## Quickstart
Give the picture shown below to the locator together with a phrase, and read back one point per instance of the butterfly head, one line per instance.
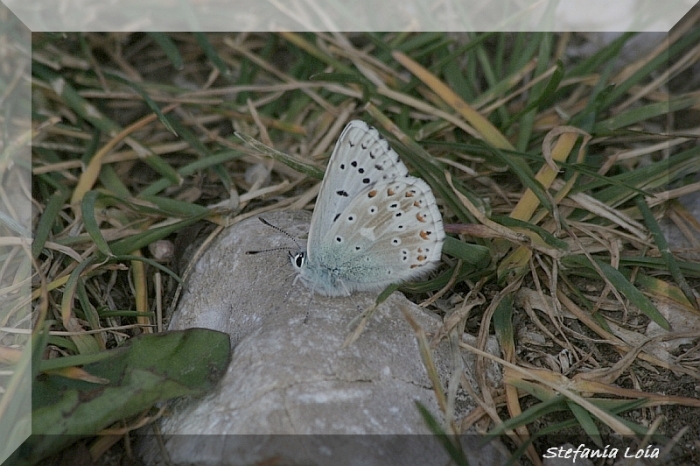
(317, 277)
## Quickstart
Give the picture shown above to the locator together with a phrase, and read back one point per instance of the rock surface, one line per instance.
(292, 391)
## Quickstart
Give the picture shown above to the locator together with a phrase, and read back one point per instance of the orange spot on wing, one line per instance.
(421, 258)
(390, 192)
(409, 193)
(420, 218)
(372, 193)
(425, 234)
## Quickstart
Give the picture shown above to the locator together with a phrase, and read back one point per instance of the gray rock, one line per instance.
(293, 391)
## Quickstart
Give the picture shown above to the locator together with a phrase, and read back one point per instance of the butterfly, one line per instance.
(373, 224)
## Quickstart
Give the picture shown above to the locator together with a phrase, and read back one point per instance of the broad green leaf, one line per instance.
(146, 370)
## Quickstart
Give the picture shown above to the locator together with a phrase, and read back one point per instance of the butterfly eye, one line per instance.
(299, 259)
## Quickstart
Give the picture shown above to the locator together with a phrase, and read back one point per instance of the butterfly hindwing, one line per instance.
(391, 232)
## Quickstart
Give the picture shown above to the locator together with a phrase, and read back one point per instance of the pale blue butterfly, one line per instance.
(373, 224)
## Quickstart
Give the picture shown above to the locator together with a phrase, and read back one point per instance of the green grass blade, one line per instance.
(87, 207)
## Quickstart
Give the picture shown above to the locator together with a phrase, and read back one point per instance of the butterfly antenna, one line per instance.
(281, 231)
(250, 253)
(276, 249)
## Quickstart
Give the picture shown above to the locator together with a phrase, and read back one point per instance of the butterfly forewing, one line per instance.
(361, 158)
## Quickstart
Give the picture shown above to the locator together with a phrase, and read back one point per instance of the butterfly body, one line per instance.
(373, 224)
